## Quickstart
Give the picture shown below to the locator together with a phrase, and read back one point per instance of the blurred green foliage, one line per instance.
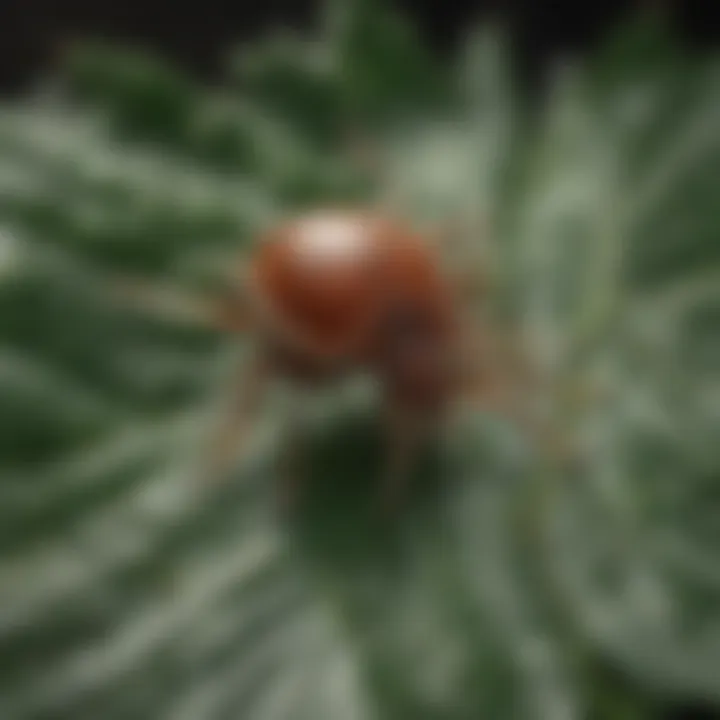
(513, 587)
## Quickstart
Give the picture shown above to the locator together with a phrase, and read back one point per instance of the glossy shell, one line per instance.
(326, 283)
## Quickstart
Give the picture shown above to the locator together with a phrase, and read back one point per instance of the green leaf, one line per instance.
(144, 94)
(295, 80)
(514, 585)
(146, 100)
(386, 71)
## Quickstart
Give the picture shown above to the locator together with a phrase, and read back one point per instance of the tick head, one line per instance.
(415, 356)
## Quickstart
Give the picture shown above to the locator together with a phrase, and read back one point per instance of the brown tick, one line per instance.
(337, 292)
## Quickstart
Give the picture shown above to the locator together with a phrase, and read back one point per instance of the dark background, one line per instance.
(197, 34)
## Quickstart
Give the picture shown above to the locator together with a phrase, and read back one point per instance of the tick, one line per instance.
(333, 293)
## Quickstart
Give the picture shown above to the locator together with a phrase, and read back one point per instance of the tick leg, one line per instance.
(246, 398)
(489, 375)
(500, 378)
(292, 465)
(226, 312)
(404, 435)
(463, 244)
